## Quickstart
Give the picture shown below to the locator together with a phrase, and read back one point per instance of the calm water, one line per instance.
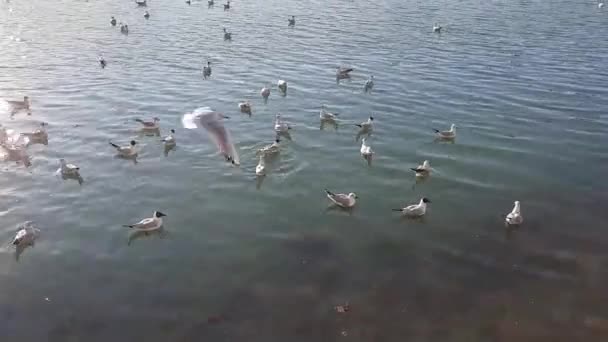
(524, 80)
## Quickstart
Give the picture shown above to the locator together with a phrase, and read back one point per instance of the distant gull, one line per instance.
(342, 200)
(149, 224)
(260, 169)
(151, 125)
(126, 151)
(113, 21)
(210, 3)
(423, 169)
(366, 151)
(169, 140)
(327, 117)
(415, 210)
(447, 135)
(600, 5)
(365, 128)
(265, 92)
(17, 106)
(207, 70)
(38, 136)
(282, 86)
(292, 21)
(514, 218)
(26, 237)
(188, 2)
(147, 15)
(342, 73)
(211, 121)
(369, 85)
(141, 3)
(102, 62)
(281, 127)
(227, 35)
(124, 28)
(227, 6)
(436, 28)
(271, 149)
(69, 171)
(245, 107)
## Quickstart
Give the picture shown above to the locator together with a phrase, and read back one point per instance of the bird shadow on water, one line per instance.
(77, 178)
(138, 234)
(168, 149)
(336, 208)
(132, 158)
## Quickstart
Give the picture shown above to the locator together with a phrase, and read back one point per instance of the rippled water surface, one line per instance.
(525, 81)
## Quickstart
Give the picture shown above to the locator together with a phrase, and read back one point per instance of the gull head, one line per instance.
(425, 200)
(426, 164)
(371, 118)
(353, 195)
(172, 131)
(158, 214)
(133, 142)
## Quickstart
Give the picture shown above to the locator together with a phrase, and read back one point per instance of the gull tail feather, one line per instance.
(114, 145)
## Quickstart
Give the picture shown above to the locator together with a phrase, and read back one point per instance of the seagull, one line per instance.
(169, 140)
(207, 70)
(327, 117)
(282, 86)
(436, 28)
(17, 153)
(292, 21)
(227, 6)
(423, 169)
(68, 169)
(150, 125)
(188, 2)
(600, 5)
(147, 15)
(113, 21)
(514, 218)
(149, 224)
(38, 136)
(126, 151)
(366, 128)
(447, 135)
(211, 120)
(102, 62)
(141, 3)
(369, 84)
(17, 106)
(265, 92)
(25, 237)
(271, 149)
(227, 35)
(415, 210)
(281, 127)
(342, 200)
(124, 28)
(260, 169)
(210, 3)
(342, 73)
(245, 107)
(366, 151)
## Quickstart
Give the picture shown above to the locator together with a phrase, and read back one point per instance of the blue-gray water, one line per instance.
(524, 80)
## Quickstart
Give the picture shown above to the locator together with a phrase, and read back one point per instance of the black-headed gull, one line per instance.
(291, 21)
(265, 92)
(113, 21)
(423, 169)
(342, 200)
(271, 149)
(149, 224)
(447, 135)
(514, 218)
(17, 106)
(26, 237)
(102, 62)
(227, 6)
(281, 127)
(227, 35)
(436, 28)
(38, 136)
(415, 210)
(245, 107)
(211, 121)
(342, 73)
(126, 151)
(147, 15)
(207, 70)
(328, 118)
(366, 151)
(365, 128)
(369, 85)
(282, 85)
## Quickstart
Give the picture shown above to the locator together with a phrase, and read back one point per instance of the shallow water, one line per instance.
(524, 81)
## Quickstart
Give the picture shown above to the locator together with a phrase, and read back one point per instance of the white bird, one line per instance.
(169, 140)
(436, 28)
(126, 151)
(17, 106)
(245, 107)
(227, 35)
(281, 127)
(207, 70)
(147, 15)
(227, 6)
(16, 153)
(447, 135)
(282, 86)
(149, 224)
(342, 73)
(38, 136)
(415, 210)
(102, 62)
(600, 5)
(271, 149)
(265, 92)
(211, 121)
(342, 200)
(369, 85)
(423, 169)
(327, 117)
(150, 125)
(26, 236)
(365, 128)
(514, 218)
(366, 151)
(260, 169)
(68, 169)
(292, 21)
(124, 28)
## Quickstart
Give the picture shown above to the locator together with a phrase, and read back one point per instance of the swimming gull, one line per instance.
(415, 210)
